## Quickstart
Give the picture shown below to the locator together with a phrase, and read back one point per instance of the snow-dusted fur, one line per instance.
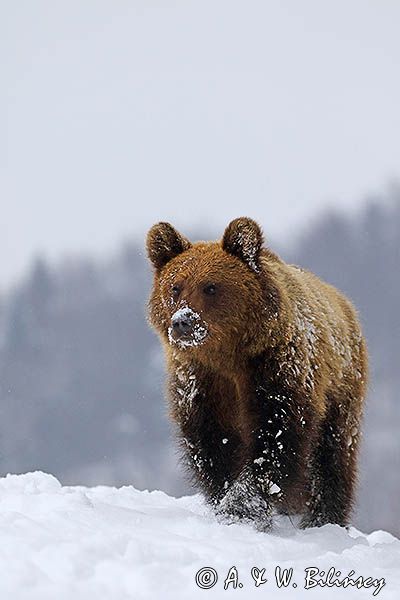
(267, 387)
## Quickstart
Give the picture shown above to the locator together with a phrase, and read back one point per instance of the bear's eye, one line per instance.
(210, 289)
(176, 290)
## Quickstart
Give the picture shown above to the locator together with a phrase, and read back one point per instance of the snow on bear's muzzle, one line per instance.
(187, 328)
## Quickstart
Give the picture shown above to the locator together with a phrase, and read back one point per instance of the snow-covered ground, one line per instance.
(105, 543)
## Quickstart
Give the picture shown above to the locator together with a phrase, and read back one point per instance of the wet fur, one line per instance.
(281, 376)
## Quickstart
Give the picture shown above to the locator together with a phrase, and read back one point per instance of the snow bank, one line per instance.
(106, 543)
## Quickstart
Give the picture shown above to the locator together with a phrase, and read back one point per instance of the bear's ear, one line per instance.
(164, 243)
(243, 238)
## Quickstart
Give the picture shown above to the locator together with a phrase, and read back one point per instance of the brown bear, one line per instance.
(267, 375)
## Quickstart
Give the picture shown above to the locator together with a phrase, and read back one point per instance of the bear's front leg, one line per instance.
(244, 501)
(278, 444)
(282, 437)
(213, 449)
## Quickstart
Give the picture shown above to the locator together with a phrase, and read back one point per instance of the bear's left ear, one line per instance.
(243, 238)
(164, 242)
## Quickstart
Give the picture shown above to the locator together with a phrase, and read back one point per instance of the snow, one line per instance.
(249, 249)
(199, 328)
(187, 391)
(274, 488)
(106, 543)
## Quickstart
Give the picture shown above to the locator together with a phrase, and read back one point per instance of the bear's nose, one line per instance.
(182, 324)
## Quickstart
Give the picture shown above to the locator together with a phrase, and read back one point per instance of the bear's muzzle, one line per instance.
(187, 328)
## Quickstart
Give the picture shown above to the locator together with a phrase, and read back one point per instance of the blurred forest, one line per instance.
(81, 373)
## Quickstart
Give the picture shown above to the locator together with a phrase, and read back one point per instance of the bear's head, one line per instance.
(211, 300)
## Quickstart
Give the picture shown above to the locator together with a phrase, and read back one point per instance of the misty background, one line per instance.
(115, 115)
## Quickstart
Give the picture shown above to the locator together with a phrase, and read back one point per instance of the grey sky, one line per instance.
(116, 114)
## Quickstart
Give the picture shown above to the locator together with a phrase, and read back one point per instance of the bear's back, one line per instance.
(324, 324)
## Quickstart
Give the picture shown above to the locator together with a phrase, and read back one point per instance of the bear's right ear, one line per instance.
(243, 238)
(164, 243)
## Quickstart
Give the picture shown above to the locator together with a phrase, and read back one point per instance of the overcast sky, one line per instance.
(114, 115)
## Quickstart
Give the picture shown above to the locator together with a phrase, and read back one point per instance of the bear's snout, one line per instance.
(187, 328)
(182, 324)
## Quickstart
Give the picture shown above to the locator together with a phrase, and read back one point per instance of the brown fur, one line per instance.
(281, 374)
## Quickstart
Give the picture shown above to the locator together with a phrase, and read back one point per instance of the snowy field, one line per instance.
(106, 543)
